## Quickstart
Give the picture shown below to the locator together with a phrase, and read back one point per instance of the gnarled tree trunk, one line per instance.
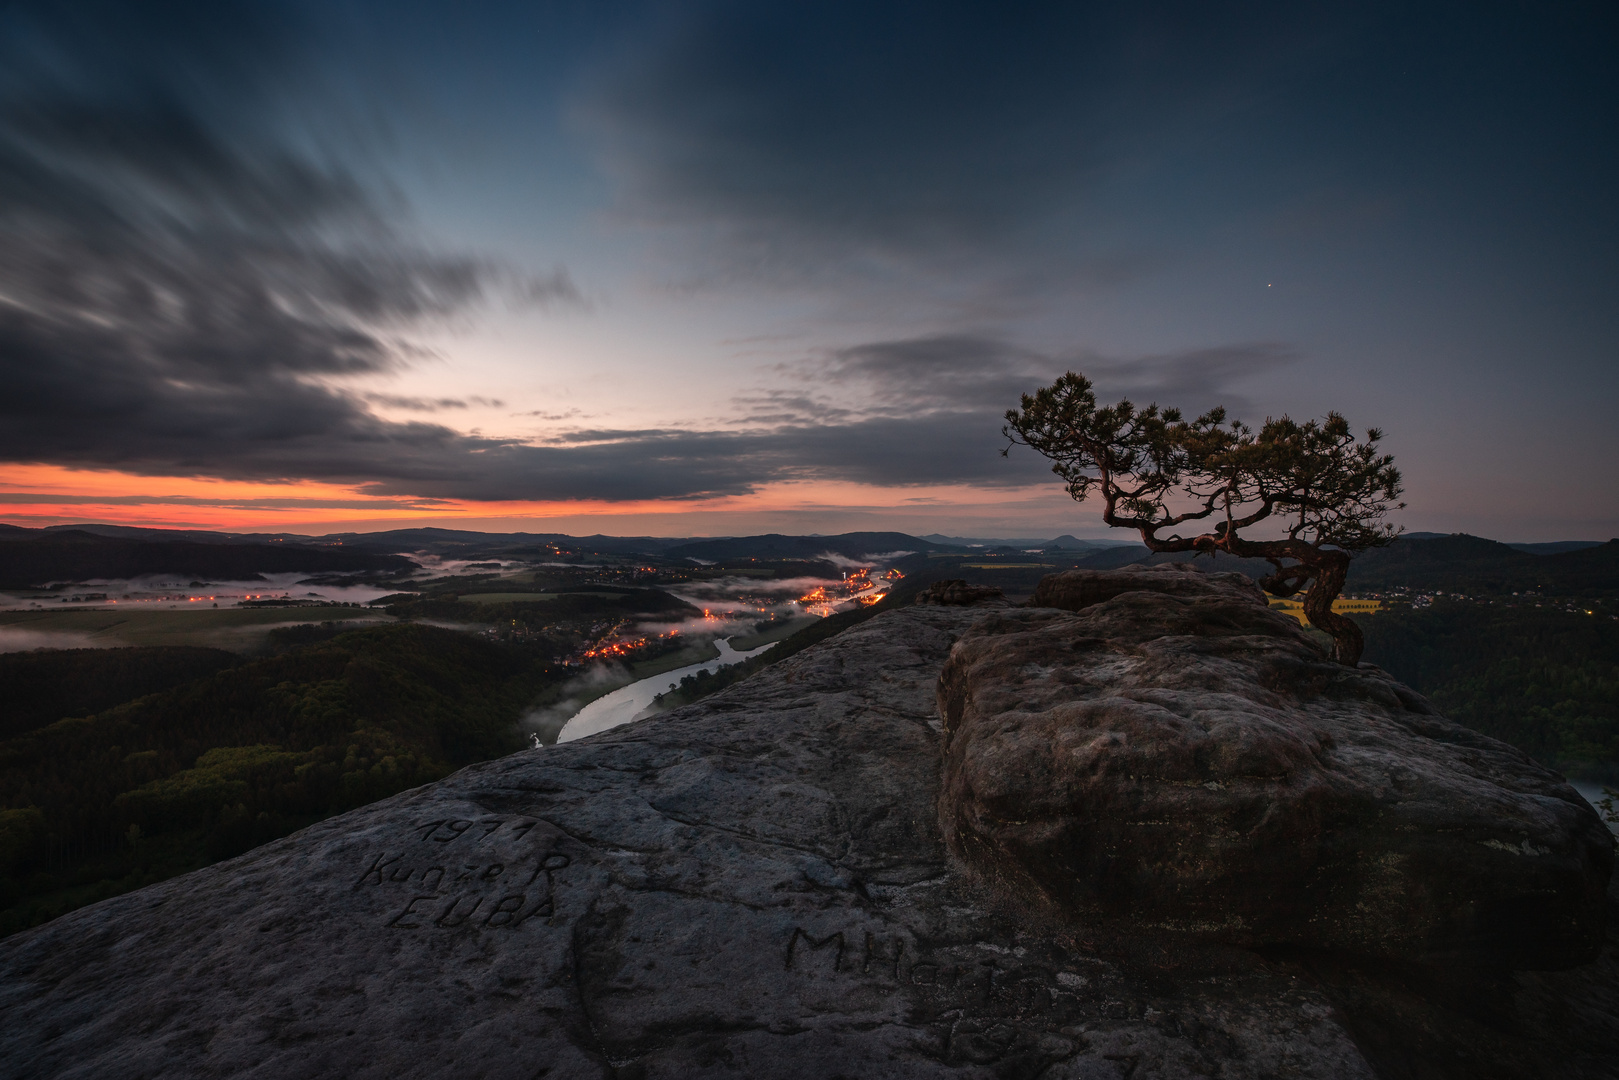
(1347, 640)
(1322, 570)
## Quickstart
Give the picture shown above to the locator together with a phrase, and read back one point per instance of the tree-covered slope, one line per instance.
(46, 685)
(1543, 679)
(97, 805)
(1473, 565)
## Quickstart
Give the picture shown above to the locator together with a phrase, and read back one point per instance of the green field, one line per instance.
(236, 629)
(699, 651)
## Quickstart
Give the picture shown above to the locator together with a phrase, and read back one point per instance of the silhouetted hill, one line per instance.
(1068, 542)
(1600, 562)
(137, 532)
(1556, 546)
(76, 555)
(857, 545)
(1065, 542)
(1471, 564)
(1543, 679)
(1459, 563)
(1422, 561)
(466, 543)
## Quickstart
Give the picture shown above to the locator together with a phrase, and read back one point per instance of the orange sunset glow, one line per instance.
(39, 495)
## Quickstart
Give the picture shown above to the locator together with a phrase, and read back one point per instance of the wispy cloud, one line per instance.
(973, 372)
(1204, 376)
(429, 405)
(183, 289)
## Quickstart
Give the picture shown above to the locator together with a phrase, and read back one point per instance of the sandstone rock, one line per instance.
(752, 886)
(1074, 590)
(1174, 754)
(958, 593)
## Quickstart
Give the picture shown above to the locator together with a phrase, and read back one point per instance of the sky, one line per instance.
(723, 268)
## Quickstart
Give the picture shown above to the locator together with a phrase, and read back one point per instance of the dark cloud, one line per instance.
(287, 503)
(179, 279)
(414, 404)
(544, 414)
(946, 371)
(429, 405)
(788, 407)
(1196, 380)
(972, 372)
(937, 448)
(797, 141)
(183, 286)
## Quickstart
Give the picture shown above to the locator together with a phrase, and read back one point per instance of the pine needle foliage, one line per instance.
(1313, 492)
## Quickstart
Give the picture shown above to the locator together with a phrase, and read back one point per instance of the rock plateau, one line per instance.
(758, 885)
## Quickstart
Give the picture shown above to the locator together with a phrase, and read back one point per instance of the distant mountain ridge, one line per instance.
(76, 555)
(1449, 563)
(1554, 547)
(856, 545)
(1065, 542)
(454, 541)
(1472, 564)
(1424, 561)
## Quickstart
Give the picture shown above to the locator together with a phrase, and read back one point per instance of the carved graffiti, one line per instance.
(886, 958)
(799, 934)
(480, 873)
(1005, 984)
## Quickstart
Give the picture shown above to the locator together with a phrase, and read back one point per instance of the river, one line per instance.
(634, 702)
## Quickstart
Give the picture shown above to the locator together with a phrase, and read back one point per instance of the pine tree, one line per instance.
(1314, 493)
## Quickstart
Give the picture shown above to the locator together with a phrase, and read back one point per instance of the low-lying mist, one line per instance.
(22, 639)
(544, 721)
(171, 591)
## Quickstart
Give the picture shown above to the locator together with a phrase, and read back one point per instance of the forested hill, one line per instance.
(38, 688)
(1545, 680)
(30, 558)
(91, 807)
(1460, 564)
(1473, 565)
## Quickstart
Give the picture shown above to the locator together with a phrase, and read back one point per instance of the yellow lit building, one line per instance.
(1341, 605)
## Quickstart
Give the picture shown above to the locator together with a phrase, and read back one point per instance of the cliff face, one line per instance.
(756, 885)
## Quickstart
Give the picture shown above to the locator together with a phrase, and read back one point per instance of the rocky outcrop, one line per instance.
(1170, 752)
(1075, 590)
(957, 593)
(755, 885)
